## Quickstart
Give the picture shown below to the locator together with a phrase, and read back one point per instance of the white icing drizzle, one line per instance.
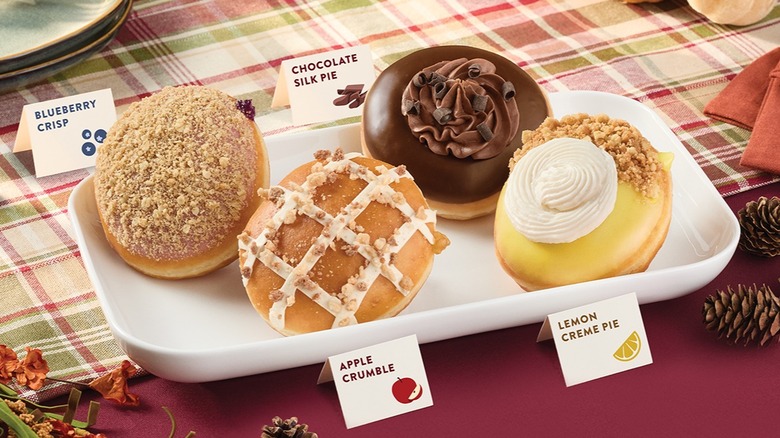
(378, 253)
(561, 190)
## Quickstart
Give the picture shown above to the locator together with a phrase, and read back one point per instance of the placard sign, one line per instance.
(598, 339)
(326, 86)
(380, 381)
(64, 134)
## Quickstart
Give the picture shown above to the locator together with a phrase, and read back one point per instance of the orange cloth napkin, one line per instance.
(763, 148)
(752, 101)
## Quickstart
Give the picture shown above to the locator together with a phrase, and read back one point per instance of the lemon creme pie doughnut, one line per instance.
(341, 240)
(588, 197)
(453, 115)
(177, 178)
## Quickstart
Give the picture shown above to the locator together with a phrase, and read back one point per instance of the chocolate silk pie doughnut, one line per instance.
(177, 178)
(453, 116)
(341, 240)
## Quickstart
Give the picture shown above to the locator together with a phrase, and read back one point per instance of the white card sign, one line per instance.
(380, 381)
(599, 339)
(325, 86)
(64, 133)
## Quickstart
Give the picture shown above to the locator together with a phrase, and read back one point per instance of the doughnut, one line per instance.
(341, 240)
(453, 115)
(588, 197)
(176, 180)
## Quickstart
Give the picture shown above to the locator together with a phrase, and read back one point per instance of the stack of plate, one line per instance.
(39, 38)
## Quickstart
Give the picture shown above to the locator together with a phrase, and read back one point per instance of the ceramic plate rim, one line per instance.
(18, 78)
(111, 8)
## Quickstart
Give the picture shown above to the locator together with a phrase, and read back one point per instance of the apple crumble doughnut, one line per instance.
(342, 239)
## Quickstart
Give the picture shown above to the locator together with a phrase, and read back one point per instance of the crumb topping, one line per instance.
(339, 231)
(636, 159)
(176, 171)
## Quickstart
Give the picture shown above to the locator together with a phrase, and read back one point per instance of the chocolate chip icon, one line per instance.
(351, 95)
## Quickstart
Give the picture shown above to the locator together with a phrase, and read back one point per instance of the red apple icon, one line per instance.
(406, 390)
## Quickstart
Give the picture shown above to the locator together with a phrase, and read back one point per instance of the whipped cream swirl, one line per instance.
(561, 190)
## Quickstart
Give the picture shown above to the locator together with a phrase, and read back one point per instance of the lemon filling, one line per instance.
(599, 253)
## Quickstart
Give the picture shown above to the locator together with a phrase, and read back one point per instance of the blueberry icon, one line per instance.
(88, 149)
(85, 134)
(100, 135)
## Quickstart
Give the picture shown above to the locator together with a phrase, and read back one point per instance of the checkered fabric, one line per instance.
(664, 55)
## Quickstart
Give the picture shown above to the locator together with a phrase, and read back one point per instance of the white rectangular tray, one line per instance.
(205, 329)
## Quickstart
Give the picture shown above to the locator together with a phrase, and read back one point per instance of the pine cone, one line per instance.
(748, 315)
(289, 428)
(760, 224)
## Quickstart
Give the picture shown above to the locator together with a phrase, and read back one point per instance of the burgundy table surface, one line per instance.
(503, 383)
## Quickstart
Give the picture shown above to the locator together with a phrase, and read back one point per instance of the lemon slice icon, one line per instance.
(629, 349)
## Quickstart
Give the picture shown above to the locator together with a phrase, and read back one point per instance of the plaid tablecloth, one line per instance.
(664, 55)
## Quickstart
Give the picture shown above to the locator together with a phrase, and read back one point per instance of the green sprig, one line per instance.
(16, 424)
(39, 410)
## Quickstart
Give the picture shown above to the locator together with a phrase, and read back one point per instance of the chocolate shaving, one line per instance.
(479, 103)
(341, 100)
(352, 95)
(436, 78)
(410, 107)
(442, 115)
(420, 80)
(358, 100)
(440, 90)
(349, 89)
(474, 70)
(508, 90)
(485, 131)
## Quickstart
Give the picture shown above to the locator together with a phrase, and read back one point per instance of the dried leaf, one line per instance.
(113, 386)
(8, 364)
(32, 371)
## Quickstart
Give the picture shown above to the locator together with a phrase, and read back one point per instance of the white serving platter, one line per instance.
(205, 329)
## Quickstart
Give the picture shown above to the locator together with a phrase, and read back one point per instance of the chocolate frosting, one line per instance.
(461, 107)
(444, 178)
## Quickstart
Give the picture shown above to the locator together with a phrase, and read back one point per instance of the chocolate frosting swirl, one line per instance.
(461, 107)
